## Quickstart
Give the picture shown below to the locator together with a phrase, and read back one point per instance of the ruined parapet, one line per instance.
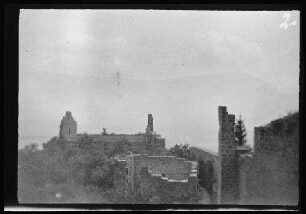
(228, 177)
(155, 144)
(168, 168)
(68, 127)
(185, 186)
(130, 167)
(270, 175)
(149, 128)
(273, 177)
(193, 178)
(231, 179)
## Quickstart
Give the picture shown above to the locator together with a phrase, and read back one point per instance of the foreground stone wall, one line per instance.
(271, 174)
(171, 167)
(228, 178)
(163, 169)
(174, 189)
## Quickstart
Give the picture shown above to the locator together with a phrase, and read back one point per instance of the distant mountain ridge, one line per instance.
(184, 109)
(219, 76)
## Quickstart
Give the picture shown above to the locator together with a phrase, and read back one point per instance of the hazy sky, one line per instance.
(152, 45)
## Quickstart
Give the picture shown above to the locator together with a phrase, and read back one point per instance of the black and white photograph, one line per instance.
(136, 106)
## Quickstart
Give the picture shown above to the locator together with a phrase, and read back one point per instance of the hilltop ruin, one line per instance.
(268, 174)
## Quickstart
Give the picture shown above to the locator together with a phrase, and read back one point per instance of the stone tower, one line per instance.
(228, 177)
(150, 124)
(68, 127)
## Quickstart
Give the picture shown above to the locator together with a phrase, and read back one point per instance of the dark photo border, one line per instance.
(11, 83)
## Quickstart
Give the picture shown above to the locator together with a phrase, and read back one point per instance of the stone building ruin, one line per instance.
(68, 127)
(148, 141)
(268, 174)
(168, 173)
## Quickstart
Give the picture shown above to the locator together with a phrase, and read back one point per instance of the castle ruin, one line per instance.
(268, 174)
(68, 127)
(150, 141)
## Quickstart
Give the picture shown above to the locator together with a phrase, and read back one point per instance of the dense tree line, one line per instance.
(66, 172)
(58, 173)
(61, 173)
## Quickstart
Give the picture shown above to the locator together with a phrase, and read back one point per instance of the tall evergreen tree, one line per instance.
(240, 132)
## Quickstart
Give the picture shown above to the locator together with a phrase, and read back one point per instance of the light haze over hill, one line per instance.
(177, 65)
(184, 109)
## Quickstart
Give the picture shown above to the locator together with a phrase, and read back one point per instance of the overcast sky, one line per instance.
(154, 44)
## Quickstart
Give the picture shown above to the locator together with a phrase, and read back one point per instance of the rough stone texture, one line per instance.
(121, 172)
(228, 180)
(268, 175)
(149, 142)
(175, 189)
(211, 170)
(154, 144)
(271, 174)
(149, 128)
(68, 127)
(117, 138)
(168, 171)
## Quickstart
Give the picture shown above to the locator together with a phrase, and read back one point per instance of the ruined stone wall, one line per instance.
(150, 124)
(153, 145)
(271, 174)
(137, 144)
(171, 167)
(169, 188)
(149, 142)
(167, 168)
(208, 166)
(121, 172)
(68, 127)
(118, 137)
(228, 178)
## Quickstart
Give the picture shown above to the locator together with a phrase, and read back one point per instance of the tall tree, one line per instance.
(240, 132)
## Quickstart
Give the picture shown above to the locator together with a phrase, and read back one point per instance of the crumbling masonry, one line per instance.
(235, 175)
(149, 141)
(68, 127)
(267, 175)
